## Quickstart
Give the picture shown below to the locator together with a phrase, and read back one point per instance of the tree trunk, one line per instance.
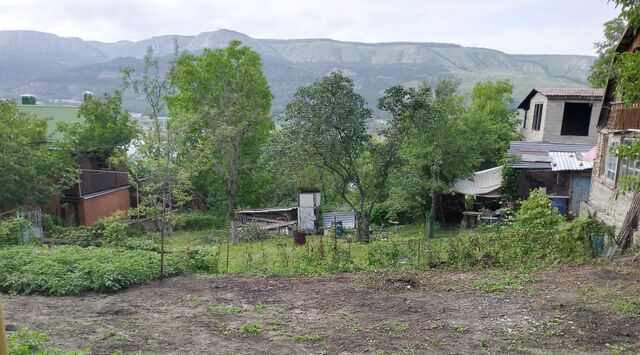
(623, 240)
(363, 226)
(232, 188)
(431, 217)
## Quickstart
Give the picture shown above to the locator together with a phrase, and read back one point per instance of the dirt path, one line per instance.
(583, 309)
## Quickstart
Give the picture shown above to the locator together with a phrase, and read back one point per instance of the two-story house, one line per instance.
(617, 125)
(561, 115)
(100, 191)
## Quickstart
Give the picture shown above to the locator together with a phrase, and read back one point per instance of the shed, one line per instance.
(348, 219)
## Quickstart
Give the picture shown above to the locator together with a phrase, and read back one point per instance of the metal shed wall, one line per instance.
(348, 219)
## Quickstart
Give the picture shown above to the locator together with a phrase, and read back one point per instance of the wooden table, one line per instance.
(469, 219)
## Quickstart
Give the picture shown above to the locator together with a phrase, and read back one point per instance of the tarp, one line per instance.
(485, 183)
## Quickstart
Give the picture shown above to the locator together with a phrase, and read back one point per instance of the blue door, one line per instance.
(580, 186)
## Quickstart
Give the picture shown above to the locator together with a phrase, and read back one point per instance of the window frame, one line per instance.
(612, 163)
(536, 123)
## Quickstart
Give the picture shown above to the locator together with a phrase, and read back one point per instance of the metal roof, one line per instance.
(530, 150)
(268, 210)
(563, 161)
(563, 93)
(54, 115)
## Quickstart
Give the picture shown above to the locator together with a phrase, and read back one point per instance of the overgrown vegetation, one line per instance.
(71, 270)
(28, 342)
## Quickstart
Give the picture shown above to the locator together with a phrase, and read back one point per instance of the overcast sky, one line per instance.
(512, 26)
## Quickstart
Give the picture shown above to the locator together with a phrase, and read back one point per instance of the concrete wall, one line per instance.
(529, 134)
(605, 201)
(102, 205)
(551, 124)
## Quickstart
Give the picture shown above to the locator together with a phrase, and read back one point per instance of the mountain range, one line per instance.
(60, 69)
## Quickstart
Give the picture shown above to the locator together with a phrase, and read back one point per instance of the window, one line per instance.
(524, 122)
(628, 167)
(611, 164)
(576, 119)
(537, 117)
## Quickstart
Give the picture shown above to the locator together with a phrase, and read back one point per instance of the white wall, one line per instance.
(529, 134)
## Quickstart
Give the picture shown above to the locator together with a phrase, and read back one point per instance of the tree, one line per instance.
(223, 103)
(106, 126)
(33, 171)
(326, 127)
(443, 144)
(491, 113)
(154, 165)
(629, 10)
(602, 68)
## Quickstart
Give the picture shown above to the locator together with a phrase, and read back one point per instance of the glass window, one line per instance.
(628, 167)
(611, 163)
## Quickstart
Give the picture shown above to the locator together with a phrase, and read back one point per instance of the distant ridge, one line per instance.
(61, 68)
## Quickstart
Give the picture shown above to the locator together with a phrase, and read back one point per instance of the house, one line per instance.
(561, 115)
(563, 170)
(617, 124)
(100, 191)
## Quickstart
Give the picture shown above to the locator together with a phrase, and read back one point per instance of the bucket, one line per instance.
(299, 238)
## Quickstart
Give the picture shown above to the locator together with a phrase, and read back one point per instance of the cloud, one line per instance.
(515, 26)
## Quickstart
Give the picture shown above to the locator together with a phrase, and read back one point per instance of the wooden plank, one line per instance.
(277, 225)
(263, 219)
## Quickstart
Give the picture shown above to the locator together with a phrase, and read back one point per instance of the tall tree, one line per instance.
(106, 126)
(223, 102)
(490, 111)
(154, 165)
(33, 172)
(326, 127)
(602, 68)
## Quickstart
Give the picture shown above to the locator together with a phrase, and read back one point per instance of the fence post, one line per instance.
(4, 346)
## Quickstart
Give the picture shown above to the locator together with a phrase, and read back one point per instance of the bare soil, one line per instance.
(564, 310)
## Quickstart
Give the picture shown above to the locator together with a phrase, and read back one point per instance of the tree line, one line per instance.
(219, 149)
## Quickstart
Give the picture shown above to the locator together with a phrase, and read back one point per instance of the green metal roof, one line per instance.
(54, 115)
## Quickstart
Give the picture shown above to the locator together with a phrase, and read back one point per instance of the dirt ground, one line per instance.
(584, 309)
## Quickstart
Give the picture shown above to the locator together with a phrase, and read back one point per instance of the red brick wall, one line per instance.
(90, 210)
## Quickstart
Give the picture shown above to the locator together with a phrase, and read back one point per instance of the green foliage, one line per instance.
(503, 282)
(252, 328)
(250, 232)
(383, 254)
(11, 229)
(222, 106)
(106, 126)
(71, 270)
(603, 67)
(28, 342)
(509, 187)
(195, 222)
(205, 260)
(628, 85)
(309, 337)
(628, 305)
(32, 172)
(629, 10)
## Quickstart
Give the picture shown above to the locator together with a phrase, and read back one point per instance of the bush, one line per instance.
(71, 270)
(196, 222)
(250, 232)
(383, 254)
(27, 342)
(205, 259)
(11, 229)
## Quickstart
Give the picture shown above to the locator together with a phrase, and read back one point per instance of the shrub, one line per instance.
(250, 232)
(196, 222)
(383, 254)
(71, 270)
(205, 259)
(28, 342)
(11, 229)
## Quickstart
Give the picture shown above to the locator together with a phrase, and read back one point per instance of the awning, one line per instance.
(485, 183)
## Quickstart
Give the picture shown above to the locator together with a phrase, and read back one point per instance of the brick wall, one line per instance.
(92, 209)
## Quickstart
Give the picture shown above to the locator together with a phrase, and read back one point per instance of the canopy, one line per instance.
(485, 183)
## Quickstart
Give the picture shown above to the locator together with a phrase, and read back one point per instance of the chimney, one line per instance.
(28, 99)
(86, 96)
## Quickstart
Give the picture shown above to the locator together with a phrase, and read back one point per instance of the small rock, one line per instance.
(10, 327)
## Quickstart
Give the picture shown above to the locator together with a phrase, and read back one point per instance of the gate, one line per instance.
(580, 186)
(35, 217)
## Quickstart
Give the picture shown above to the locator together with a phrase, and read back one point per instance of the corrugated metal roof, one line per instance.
(267, 210)
(55, 115)
(541, 149)
(482, 183)
(563, 161)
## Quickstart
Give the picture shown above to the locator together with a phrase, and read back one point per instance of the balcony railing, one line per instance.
(624, 117)
(93, 181)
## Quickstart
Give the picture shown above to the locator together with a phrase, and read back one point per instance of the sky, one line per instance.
(512, 26)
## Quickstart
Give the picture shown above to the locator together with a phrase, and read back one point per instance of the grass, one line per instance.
(500, 282)
(309, 337)
(259, 257)
(252, 328)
